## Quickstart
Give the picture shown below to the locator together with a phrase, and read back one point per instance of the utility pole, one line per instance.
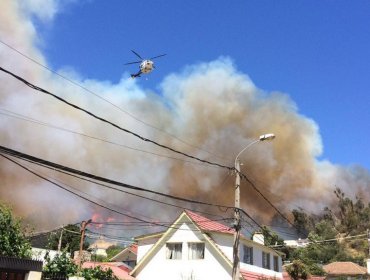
(237, 223)
(236, 261)
(368, 241)
(83, 229)
(60, 240)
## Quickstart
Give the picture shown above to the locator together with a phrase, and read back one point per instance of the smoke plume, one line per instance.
(213, 111)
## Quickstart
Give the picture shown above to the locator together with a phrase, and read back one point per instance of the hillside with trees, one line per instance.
(338, 233)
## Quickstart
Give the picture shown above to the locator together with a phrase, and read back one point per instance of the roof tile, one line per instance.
(207, 224)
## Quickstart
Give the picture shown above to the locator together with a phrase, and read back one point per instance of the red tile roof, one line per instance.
(118, 269)
(207, 224)
(311, 277)
(344, 268)
(248, 275)
(133, 248)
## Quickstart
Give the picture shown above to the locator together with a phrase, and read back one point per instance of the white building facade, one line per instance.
(195, 247)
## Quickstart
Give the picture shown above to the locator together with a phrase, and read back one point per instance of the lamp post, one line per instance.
(237, 227)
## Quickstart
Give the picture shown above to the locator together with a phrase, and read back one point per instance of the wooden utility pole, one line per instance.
(60, 240)
(368, 240)
(83, 229)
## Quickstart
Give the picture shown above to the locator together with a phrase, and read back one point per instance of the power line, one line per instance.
(80, 196)
(265, 198)
(138, 136)
(353, 237)
(26, 118)
(99, 178)
(91, 201)
(109, 102)
(126, 192)
(111, 123)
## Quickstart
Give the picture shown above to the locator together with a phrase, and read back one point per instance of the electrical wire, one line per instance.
(99, 178)
(80, 196)
(353, 237)
(109, 102)
(29, 119)
(111, 123)
(91, 201)
(142, 138)
(266, 199)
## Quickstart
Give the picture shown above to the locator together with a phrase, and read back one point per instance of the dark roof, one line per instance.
(20, 264)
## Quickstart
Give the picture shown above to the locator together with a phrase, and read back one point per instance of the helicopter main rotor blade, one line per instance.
(137, 55)
(132, 62)
(157, 56)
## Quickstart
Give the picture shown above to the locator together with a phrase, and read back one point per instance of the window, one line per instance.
(195, 251)
(276, 263)
(247, 254)
(266, 260)
(174, 251)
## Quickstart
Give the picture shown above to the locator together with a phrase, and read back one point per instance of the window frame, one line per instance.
(171, 255)
(275, 261)
(266, 263)
(190, 256)
(250, 254)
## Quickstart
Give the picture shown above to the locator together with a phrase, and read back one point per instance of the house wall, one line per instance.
(33, 275)
(184, 269)
(144, 246)
(225, 243)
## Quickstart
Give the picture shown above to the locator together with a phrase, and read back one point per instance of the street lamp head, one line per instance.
(267, 137)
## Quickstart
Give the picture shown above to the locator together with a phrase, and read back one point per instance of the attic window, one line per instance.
(195, 251)
(174, 251)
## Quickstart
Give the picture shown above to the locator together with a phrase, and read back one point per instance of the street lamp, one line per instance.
(236, 261)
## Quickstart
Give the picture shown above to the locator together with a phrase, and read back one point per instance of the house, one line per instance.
(17, 268)
(127, 256)
(195, 247)
(297, 243)
(40, 254)
(345, 270)
(120, 270)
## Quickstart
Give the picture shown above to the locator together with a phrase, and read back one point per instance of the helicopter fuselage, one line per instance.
(146, 66)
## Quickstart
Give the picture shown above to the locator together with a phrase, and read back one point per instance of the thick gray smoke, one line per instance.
(211, 106)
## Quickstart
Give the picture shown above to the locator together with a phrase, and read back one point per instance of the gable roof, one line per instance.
(132, 249)
(200, 223)
(344, 268)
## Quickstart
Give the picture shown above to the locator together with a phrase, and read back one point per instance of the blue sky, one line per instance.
(317, 52)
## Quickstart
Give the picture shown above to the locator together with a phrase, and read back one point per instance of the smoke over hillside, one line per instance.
(212, 107)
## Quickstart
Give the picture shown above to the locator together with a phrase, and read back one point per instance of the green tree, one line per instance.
(297, 270)
(70, 239)
(98, 273)
(303, 223)
(113, 250)
(13, 240)
(61, 264)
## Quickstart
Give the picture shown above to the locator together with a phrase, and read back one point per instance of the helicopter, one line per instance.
(146, 65)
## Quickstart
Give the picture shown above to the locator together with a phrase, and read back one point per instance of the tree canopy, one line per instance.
(13, 240)
(338, 233)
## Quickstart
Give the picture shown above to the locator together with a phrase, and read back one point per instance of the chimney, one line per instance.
(259, 238)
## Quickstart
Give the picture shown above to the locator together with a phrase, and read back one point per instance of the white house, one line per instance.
(197, 248)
